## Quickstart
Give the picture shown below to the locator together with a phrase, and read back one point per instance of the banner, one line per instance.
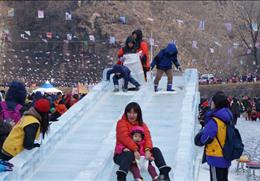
(92, 38)
(122, 19)
(10, 12)
(49, 34)
(180, 22)
(235, 45)
(218, 44)
(23, 36)
(40, 14)
(151, 41)
(28, 33)
(254, 27)
(195, 44)
(68, 16)
(229, 27)
(82, 89)
(112, 40)
(69, 36)
(202, 25)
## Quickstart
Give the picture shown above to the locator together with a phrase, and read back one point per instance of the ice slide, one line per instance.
(80, 146)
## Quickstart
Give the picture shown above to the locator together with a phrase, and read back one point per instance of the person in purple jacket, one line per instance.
(213, 136)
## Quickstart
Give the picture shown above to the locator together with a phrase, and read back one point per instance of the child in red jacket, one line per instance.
(137, 134)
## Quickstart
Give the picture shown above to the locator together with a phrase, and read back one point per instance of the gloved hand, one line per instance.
(36, 145)
(4, 168)
(6, 163)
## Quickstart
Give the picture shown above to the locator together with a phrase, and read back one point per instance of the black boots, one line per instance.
(121, 176)
(164, 174)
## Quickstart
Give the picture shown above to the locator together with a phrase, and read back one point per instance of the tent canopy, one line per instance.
(47, 87)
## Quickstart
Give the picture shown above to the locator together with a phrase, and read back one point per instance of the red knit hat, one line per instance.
(42, 105)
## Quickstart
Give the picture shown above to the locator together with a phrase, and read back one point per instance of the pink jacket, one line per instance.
(120, 148)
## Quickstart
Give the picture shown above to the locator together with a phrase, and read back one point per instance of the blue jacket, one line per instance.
(166, 57)
(210, 131)
(16, 93)
(119, 69)
(123, 72)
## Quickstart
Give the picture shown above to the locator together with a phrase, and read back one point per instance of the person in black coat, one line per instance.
(235, 108)
(121, 71)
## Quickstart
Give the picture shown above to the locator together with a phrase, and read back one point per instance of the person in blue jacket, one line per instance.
(121, 71)
(164, 61)
(213, 136)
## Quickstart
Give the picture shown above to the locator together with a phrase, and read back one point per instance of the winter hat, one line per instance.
(137, 129)
(16, 92)
(42, 105)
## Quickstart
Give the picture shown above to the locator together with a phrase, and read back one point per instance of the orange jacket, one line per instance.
(123, 129)
(56, 102)
(145, 51)
(61, 108)
(120, 54)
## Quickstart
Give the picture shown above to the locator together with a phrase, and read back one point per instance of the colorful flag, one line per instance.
(211, 50)
(49, 34)
(254, 26)
(180, 22)
(28, 33)
(195, 44)
(235, 45)
(23, 36)
(112, 40)
(69, 36)
(229, 27)
(10, 12)
(151, 41)
(92, 38)
(122, 19)
(218, 44)
(40, 14)
(202, 25)
(68, 16)
(150, 19)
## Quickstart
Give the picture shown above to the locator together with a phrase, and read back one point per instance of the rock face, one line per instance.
(165, 21)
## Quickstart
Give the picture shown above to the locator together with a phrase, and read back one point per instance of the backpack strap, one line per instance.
(214, 119)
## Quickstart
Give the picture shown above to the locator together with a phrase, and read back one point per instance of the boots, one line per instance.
(116, 89)
(155, 87)
(164, 173)
(121, 176)
(169, 87)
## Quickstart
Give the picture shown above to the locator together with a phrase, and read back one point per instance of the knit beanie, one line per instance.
(42, 105)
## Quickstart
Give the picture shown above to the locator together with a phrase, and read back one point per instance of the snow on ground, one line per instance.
(250, 133)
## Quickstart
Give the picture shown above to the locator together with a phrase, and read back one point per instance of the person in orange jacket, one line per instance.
(141, 45)
(128, 48)
(133, 117)
(59, 110)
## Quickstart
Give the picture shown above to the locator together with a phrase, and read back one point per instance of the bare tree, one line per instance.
(247, 14)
